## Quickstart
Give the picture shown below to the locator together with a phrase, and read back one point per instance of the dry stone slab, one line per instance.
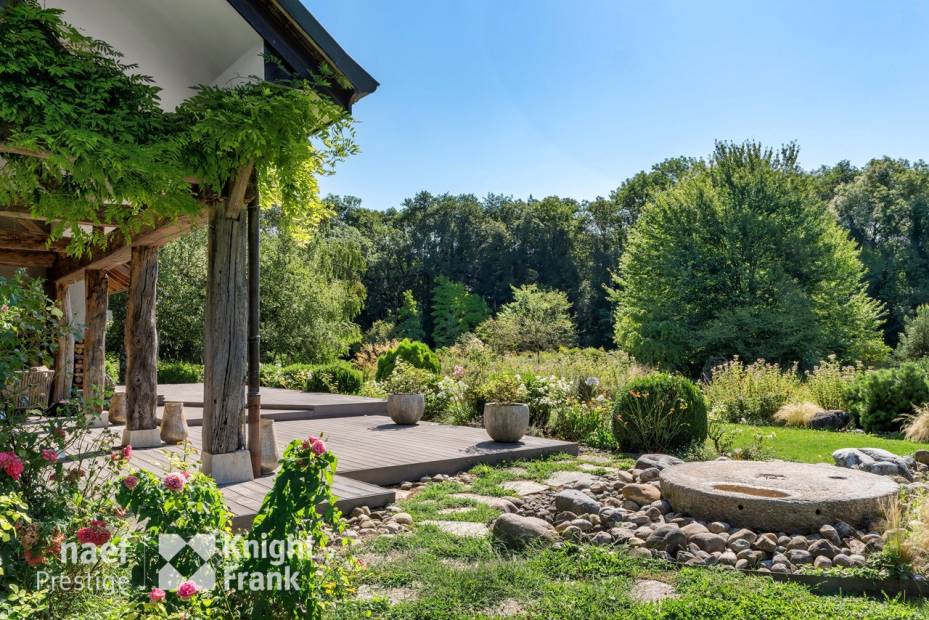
(524, 487)
(466, 529)
(570, 478)
(651, 591)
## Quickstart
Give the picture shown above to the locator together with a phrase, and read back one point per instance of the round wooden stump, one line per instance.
(118, 408)
(268, 443)
(173, 423)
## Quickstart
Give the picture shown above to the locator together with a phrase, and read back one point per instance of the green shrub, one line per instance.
(914, 341)
(659, 413)
(111, 367)
(878, 398)
(752, 392)
(336, 378)
(179, 372)
(543, 395)
(583, 423)
(827, 384)
(412, 352)
(507, 388)
(290, 377)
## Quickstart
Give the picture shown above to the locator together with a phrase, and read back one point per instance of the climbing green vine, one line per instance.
(84, 139)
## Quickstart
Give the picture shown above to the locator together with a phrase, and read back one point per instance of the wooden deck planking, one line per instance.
(372, 452)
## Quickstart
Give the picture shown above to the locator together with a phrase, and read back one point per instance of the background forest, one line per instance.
(439, 265)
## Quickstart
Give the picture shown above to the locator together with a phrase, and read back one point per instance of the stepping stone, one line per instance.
(651, 591)
(498, 503)
(589, 467)
(505, 608)
(394, 595)
(596, 458)
(524, 487)
(570, 478)
(467, 529)
(454, 511)
(516, 471)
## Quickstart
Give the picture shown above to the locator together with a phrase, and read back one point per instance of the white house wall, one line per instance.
(179, 43)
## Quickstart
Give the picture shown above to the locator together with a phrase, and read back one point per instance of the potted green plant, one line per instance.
(405, 387)
(506, 414)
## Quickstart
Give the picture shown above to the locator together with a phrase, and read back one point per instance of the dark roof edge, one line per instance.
(360, 79)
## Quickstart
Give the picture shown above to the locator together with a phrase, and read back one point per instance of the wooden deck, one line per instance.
(278, 404)
(372, 452)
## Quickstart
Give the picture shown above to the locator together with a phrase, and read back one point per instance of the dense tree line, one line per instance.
(488, 244)
(439, 265)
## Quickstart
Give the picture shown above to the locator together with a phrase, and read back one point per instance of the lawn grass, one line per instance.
(430, 574)
(809, 446)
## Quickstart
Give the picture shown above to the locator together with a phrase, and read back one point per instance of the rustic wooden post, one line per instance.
(141, 340)
(255, 429)
(95, 304)
(225, 339)
(64, 357)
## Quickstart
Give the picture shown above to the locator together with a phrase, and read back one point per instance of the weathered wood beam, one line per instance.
(25, 214)
(119, 250)
(142, 340)
(10, 240)
(41, 154)
(22, 258)
(64, 356)
(95, 306)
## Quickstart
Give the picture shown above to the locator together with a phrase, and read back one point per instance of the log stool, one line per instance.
(173, 423)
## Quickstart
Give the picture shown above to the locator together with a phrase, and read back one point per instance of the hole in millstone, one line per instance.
(818, 511)
(741, 507)
(838, 478)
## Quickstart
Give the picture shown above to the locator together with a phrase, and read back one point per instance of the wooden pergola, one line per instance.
(285, 30)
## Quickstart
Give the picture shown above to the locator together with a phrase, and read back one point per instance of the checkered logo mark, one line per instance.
(169, 545)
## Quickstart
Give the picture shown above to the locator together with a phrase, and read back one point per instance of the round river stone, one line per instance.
(776, 495)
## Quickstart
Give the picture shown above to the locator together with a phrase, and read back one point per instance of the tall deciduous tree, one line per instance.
(742, 258)
(536, 320)
(886, 210)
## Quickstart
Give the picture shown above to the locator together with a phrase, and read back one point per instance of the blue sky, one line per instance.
(541, 97)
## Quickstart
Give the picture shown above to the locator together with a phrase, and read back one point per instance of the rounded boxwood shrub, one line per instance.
(413, 352)
(659, 413)
(878, 398)
(335, 378)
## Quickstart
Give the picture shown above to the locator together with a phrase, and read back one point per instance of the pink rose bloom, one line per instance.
(175, 482)
(458, 372)
(127, 452)
(11, 464)
(156, 595)
(319, 447)
(130, 482)
(96, 533)
(187, 589)
(186, 475)
(49, 455)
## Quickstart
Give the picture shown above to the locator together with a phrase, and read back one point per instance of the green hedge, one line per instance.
(335, 378)
(659, 413)
(414, 353)
(878, 398)
(291, 377)
(179, 372)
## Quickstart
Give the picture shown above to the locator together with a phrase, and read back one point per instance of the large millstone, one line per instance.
(776, 495)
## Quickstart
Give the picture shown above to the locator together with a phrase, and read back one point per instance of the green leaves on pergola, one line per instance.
(83, 139)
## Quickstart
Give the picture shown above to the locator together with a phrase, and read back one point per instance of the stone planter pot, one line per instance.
(173, 423)
(506, 422)
(406, 408)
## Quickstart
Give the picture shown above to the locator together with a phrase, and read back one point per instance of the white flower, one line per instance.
(592, 381)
